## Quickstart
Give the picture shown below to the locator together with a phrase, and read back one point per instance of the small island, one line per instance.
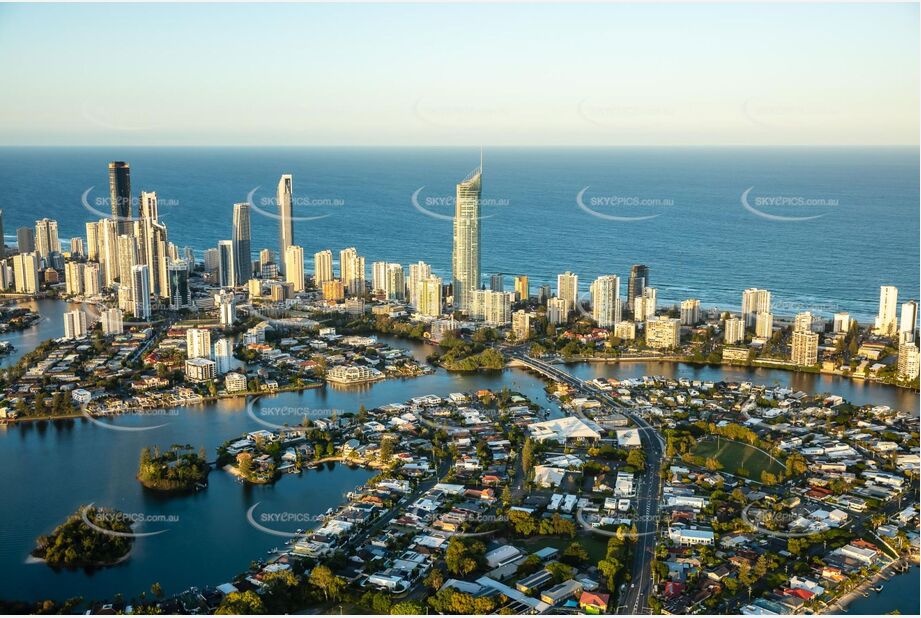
(178, 469)
(78, 544)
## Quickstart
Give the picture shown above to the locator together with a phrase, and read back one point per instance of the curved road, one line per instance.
(633, 599)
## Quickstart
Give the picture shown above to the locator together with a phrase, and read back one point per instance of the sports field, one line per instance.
(737, 458)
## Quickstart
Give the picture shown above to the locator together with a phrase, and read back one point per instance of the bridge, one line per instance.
(633, 598)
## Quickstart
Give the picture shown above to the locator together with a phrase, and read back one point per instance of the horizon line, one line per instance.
(518, 146)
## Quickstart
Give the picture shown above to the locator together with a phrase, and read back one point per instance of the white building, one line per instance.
(322, 267)
(663, 333)
(112, 321)
(733, 330)
(764, 325)
(606, 306)
(841, 322)
(199, 369)
(908, 361)
(74, 325)
(465, 259)
(754, 301)
(625, 330)
(567, 288)
(805, 348)
(427, 294)
(226, 304)
(352, 271)
(888, 305)
(557, 310)
(223, 355)
(521, 325)
(235, 382)
(690, 312)
(140, 291)
(198, 343)
(494, 308)
(25, 272)
(294, 267)
(907, 321)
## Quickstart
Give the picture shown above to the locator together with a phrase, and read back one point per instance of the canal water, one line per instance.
(52, 467)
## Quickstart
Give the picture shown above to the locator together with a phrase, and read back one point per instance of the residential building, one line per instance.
(497, 282)
(494, 308)
(733, 330)
(285, 221)
(521, 325)
(908, 318)
(333, 290)
(46, 238)
(74, 325)
(294, 267)
(567, 289)
(112, 321)
(465, 259)
(25, 239)
(805, 348)
(690, 312)
(120, 195)
(663, 333)
(198, 343)
(841, 322)
(754, 301)
(352, 271)
(764, 325)
(235, 382)
(140, 292)
(74, 278)
(908, 361)
(888, 305)
(227, 275)
(242, 252)
(606, 307)
(200, 369)
(429, 296)
(522, 289)
(639, 279)
(557, 310)
(226, 304)
(25, 272)
(322, 267)
(626, 330)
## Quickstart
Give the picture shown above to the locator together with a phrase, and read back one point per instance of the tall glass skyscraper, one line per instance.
(285, 224)
(466, 256)
(639, 280)
(120, 194)
(242, 254)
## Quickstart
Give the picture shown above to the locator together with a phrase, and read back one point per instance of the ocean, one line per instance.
(822, 228)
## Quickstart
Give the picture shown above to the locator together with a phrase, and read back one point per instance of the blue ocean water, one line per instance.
(701, 242)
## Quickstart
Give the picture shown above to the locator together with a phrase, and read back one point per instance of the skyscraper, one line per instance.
(92, 241)
(242, 254)
(226, 304)
(120, 195)
(74, 325)
(805, 348)
(497, 282)
(567, 288)
(322, 267)
(198, 343)
(428, 297)
(888, 305)
(639, 279)
(226, 271)
(285, 223)
(294, 267)
(418, 272)
(140, 291)
(25, 272)
(690, 312)
(466, 254)
(907, 320)
(606, 300)
(522, 289)
(754, 301)
(352, 271)
(178, 285)
(46, 238)
(2, 237)
(764, 325)
(25, 239)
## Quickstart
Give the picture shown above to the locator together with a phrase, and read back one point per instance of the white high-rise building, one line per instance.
(352, 271)
(567, 288)
(842, 322)
(395, 282)
(46, 238)
(112, 321)
(663, 332)
(74, 325)
(805, 348)
(25, 272)
(378, 276)
(294, 267)
(108, 250)
(754, 301)
(733, 330)
(644, 306)
(91, 279)
(92, 241)
(690, 312)
(764, 325)
(803, 321)
(74, 278)
(606, 306)
(417, 273)
(223, 355)
(907, 321)
(226, 303)
(521, 325)
(322, 267)
(494, 308)
(198, 343)
(140, 291)
(888, 305)
(465, 260)
(429, 299)
(908, 364)
(557, 310)
(77, 247)
(285, 221)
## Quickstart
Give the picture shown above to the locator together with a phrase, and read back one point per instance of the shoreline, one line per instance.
(686, 361)
(863, 590)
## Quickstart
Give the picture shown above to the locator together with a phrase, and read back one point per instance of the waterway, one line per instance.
(53, 467)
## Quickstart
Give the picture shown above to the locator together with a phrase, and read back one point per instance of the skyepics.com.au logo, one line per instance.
(270, 206)
(101, 207)
(115, 523)
(452, 114)
(621, 114)
(443, 206)
(279, 523)
(769, 207)
(158, 413)
(622, 208)
(286, 417)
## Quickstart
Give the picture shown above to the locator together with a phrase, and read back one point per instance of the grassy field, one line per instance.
(736, 458)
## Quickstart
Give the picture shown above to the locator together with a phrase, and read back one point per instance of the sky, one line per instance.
(375, 75)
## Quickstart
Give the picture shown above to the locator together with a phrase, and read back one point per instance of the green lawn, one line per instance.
(735, 457)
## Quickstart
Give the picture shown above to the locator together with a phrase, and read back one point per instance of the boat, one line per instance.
(878, 588)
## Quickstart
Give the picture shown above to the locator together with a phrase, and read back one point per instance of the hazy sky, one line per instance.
(459, 74)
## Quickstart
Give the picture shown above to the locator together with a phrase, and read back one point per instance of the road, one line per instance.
(634, 598)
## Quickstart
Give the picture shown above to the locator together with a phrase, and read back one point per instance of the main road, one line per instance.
(634, 597)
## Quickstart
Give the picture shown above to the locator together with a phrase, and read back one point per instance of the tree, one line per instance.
(157, 590)
(237, 603)
(407, 608)
(506, 496)
(323, 578)
(245, 464)
(435, 579)
(462, 558)
(637, 459)
(527, 455)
